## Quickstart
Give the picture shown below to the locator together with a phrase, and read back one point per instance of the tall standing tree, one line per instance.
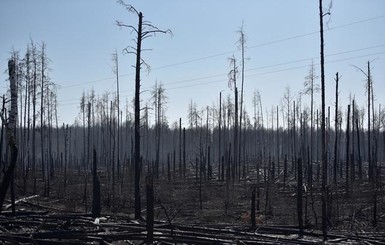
(35, 75)
(43, 87)
(323, 125)
(242, 43)
(286, 105)
(347, 158)
(369, 90)
(233, 83)
(311, 88)
(159, 100)
(336, 133)
(371, 162)
(27, 106)
(115, 69)
(11, 128)
(220, 137)
(144, 30)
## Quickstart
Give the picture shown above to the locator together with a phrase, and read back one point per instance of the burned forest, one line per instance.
(237, 171)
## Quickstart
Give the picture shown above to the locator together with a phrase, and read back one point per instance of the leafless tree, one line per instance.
(11, 128)
(311, 88)
(233, 85)
(115, 69)
(322, 14)
(144, 30)
(159, 100)
(242, 43)
(336, 132)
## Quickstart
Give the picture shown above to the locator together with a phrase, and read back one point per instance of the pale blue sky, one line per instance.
(81, 35)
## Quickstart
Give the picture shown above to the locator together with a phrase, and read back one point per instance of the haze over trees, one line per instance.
(292, 164)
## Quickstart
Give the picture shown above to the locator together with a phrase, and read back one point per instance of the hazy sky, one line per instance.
(282, 40)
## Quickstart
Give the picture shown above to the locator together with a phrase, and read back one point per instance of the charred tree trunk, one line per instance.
(359, 151)
(96, 188)
(336, 134)
(353, 155)
(284, 170)
(11, 126)
(34, 115)
(236, 148)
(66, 144)
(184, 153)
(180, 149)
(323, 128)
(369, 128)
(347, 159)
(220, 137)
(299, 196)
(85, 197)
(137, 119)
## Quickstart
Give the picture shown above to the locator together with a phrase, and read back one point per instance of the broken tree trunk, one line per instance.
(96, 189)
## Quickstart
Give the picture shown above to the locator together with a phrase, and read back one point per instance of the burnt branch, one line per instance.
(121, 24)
(128, 7)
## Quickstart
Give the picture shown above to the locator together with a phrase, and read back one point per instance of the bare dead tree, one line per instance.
(115, 69)
(181, 170)
(311, 88)
(286, 106)
(353, 154)
(42, 109)
(233, 84)
(372, 164)
(96, 208)
(336, 133)
(220, 137)
(369, 91)
(159, 100)
(242, 43)
(34, 113)
(144, 30)
(3, 113)
(347, 158)
(323, 126)
(359, 147)
(11, 128)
